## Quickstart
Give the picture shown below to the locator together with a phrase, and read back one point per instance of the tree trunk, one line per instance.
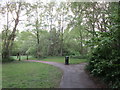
(19, 57)
(9, 42)
(38, 41)
(81, 43)
(61, 47)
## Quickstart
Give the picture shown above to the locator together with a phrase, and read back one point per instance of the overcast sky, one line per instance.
(3, 18)
(21, 27)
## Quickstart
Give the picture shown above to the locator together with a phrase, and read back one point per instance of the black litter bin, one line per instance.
(66, 60)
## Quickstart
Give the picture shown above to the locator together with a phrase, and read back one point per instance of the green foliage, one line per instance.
(24, 43)
(105, 57)
(105, 62)
(107, 70)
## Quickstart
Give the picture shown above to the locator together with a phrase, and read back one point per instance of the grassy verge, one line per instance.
(30, 75)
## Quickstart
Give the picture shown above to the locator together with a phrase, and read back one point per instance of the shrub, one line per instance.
(10, 59)
(107, 70)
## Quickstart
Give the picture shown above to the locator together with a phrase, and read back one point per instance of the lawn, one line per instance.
(22, 57)
(30, 75)
(55, 59)
(22, 74)
(62, 60)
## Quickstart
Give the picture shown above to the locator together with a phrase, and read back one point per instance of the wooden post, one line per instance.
(19, 57)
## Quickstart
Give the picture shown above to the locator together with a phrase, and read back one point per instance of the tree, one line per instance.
(62, 14)
(34, 11)
(78, 24)
(105, 57)
(13, 8)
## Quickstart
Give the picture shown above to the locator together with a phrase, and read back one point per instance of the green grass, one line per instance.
(21, 74)
(62, 60)
(30, 75)
(22, 57)
(55, 59)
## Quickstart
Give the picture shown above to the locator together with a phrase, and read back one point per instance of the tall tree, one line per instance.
(63, 13)
(13, 8)
(35, 11)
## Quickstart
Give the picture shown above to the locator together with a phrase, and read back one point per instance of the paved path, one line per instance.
(74, 75)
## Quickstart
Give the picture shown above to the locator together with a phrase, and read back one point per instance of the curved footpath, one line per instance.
(74, 75)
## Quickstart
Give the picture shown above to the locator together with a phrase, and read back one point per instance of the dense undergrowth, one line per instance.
(105, 57)
(107, 70)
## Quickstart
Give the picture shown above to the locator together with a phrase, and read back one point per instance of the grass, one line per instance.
(30, 75)
(22, 57)
(55, 59)
(62, 60)
(21, 74)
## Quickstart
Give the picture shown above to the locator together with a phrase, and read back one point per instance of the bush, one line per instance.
(104, 63)
(107, 70)
(7, 60)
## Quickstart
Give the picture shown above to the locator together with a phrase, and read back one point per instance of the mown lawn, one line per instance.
(30, 75)
(55, 59)
(62, 60)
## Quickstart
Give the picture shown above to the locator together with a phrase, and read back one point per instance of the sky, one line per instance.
(21, 27)
(3, 18)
